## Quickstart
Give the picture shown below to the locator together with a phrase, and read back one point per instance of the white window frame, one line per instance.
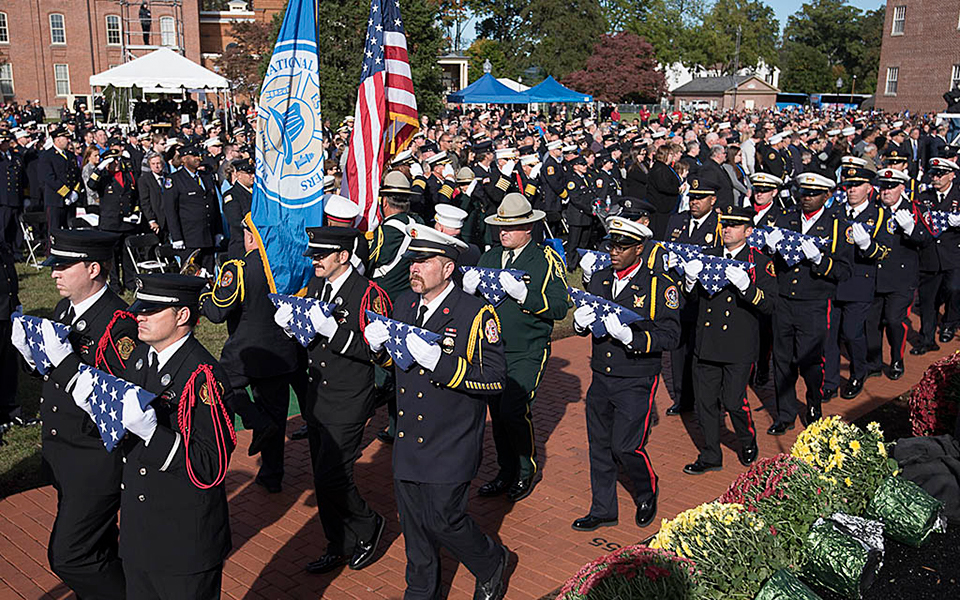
(4, 29)
(6, 76)
(955, 77)
(118, 30)
(57, 80)
(62, 29)
(895, 71)
(168, 36)
(899, 20)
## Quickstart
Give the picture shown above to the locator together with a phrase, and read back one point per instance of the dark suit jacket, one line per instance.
(663, 191)
(59, 174)
(151, 199)
(193, 212)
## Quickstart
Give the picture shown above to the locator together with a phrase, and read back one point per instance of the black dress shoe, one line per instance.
(497, 486)
(676, 409)
(896, 370)
(947, 334)
(853, 389)
(699, 467)
(300, 434)
(590, 522)
(923, 349)
(829, 394)
(261, 435)
(813, 414)
(495, 587)
(749, 454)
(364, 551)
(326, 563)
(272, 488)
(762, 378)
(647, 511)
(522, 488)
(779, 428)
(384, 436)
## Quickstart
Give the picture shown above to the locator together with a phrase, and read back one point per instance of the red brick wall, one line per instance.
(925, 54)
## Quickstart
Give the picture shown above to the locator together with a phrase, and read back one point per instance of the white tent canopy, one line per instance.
(162, 68)
(513, 85)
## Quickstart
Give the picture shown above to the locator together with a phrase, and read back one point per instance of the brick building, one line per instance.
(920, 55)
(741, 91)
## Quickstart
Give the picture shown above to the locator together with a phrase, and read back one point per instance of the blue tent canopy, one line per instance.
(550, 90)
(487, 90)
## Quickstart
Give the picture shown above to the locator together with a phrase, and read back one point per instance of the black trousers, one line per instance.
(434, 515)
(510, 415)
(9, 373)
(148, 584)
(56, 219)
(681, 366)
(270, 403)
(722, 387)
(930, 283)
(9, 227)
(579, 238)
(619, 410)
(889, 313)
(345, 516)
(123, 273)
(853, 332)
(831, 350)
(800, 328)
(83, 545)
(766, 344)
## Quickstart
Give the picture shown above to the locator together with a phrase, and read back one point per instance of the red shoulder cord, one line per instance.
(365, 303)
(106, 339)
(921, 218)
(752, 270)
(188, 398)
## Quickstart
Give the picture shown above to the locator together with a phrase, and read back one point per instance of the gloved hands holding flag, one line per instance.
(376, 334)
(471, 280)
(516, 288)
(325, 325)
(425, 353)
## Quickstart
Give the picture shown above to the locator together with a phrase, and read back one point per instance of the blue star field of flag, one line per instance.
(31, 327)
(713, 276)
(396, 344)
(384, 18)
(106, 402)
(938, 220)
(601, 308)
(686, 252)
(789, 246)
(489, 286)
(602, 258)
(301, 325)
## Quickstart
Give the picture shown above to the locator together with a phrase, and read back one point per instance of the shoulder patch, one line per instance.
(125, 346)
(204, 393)
(571, 185)
(227, 198)
(600, 183)
(167, 183)
(226, 278)
(672, 297)
(891, 225)
(772, 156)
(491, 331)
(848, 233)
(770, 270)
(550, 170)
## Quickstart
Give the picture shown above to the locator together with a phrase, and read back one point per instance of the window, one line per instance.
(6, 80)
(58, 31)
(4, 32)
(955, 77)
(113, 30)
(61, 74)
(899, 16)
(892, 74)
(168, 31)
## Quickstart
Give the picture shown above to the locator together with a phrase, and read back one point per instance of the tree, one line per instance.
(502, 65)
(670, 25)
(805, 69)
(562, 34)
(715, 44)
(499, 20)
(622, 68)
(244, 60)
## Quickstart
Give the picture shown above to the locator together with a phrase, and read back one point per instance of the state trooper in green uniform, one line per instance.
(527, 316)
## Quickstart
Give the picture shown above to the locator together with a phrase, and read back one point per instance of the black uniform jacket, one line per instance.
(118, 199)
(9, 284)
(236, 204)
(553, 176)
(769, 218)
(193, 211)
(862, 283)
(11, 180)
(809, 281)
(581, 195)
(441, 414)
(900, 270)
(944, 253)
(59, 174)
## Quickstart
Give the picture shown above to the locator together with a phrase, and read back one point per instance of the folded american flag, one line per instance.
(602, 307)
(938, 221)
(758, 239)
(31, 327)
(301, 325)
(789, 246)
(396, 344)
(686, 252)
(713, 276)
(490, 287)
(106, 401)
(602, 258)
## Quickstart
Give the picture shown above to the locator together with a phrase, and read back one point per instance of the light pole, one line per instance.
(853, 87)
(839, 85)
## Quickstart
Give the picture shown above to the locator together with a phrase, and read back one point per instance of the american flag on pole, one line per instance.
(385, 118)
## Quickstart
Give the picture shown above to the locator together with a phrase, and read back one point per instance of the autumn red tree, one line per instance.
(622, 68)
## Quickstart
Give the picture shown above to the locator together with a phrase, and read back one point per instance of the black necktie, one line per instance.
(71, 315)
(728, 254)
(153, 370)
(421, 315)
(325, 297)
(850, 214)
(510, 257)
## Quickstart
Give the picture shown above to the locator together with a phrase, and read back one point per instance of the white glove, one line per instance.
(811, 251)
(133, 219)
(105, 163)
(82, 389)
(471, 280)
(517, 289)
(508, 168)
(217, 239)
(774, 238)
(691, 271)
(125, 154)
(177, 245)
(447, 171)
(472, 186)
(423, 352)
(56, 350)
(71, 198)
(376, 334)
(141, 423)
(953, 219)
(282, 318)
(19, 338)
(904, 219)
(325, 326)
(416, 170)
(618, 330)
(672, 260)
(584, 317)
(860, 236)
(588, 262)
(738, 277)
(535, 171)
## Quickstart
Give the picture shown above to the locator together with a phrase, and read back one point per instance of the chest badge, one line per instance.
(639, 301)
(139, 364)
(165, 380)
(447, 343)
(708, 238)
(81, 325)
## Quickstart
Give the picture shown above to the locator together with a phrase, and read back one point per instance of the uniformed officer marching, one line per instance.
(83, 544)
(119, 213)
(59, 175)
(175, 532)
(441, 411)
(192, 209)
(237, 203)
(767, 210)
(527, 315)
(727, 340)
(626, 370)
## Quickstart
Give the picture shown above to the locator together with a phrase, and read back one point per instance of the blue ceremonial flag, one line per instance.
(301, 324)
(713, 276)
(490, 287)
(288, 194)
(396, 344)
(603, 258)
(31, 327)
(602, 307)
(106, 402)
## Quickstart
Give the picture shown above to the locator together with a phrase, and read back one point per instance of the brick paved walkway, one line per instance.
(274, 536)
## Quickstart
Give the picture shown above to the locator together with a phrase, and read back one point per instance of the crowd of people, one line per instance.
(831, 225)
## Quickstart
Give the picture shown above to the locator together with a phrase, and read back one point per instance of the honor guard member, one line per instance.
(769, 158)
(441, 415)
(699, 226)
(175, 532)
(339, 211)
(865, 229)
(119, 213)
(440, 184)
(766, 212)
(626, 370)
(340, 396)
(256, 354)
(728, 340)
(468, 200)
(449, 220)
(12, 177)
(894, 158)
(554, 186)
(608, 178)
(940, 260)
(237, 202)
(83, 544)
(897, 275)
(579, 209)
(807, 291)
(192, 209)
(527, 315)
(485, 172)
(60, 177)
